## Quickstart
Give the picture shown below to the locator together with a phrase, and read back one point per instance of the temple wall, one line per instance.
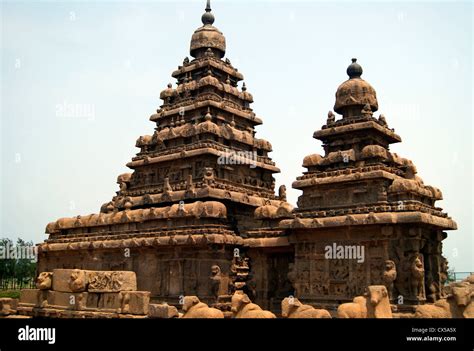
(167, 273)
(270, 267)
(321, 279)
(318, 279)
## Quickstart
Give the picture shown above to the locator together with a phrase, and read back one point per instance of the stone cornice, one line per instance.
(206, 192)
(205, 62)
(193, 105)
(331, 132)
(198, 152)
(342, 178)
(194, 240)
(370, 219)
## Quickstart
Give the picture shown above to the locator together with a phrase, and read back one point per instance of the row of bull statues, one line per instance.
(373, 304)
(113, 294)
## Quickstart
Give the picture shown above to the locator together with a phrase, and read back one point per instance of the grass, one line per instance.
(14, 294)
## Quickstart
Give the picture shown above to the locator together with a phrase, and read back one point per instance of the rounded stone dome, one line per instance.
(207, 17)
(355, 93)
(354, 70)
(207, 37)
(245, 95)
(372, 151)
(312, 160)
(168, 92)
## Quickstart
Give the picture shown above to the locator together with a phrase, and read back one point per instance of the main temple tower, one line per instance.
(190, 202)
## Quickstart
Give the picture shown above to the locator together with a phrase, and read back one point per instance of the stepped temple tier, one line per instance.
(197, 215)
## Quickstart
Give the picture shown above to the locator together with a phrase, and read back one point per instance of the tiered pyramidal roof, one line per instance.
(358, 174)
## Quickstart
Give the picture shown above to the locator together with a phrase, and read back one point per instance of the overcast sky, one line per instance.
(110, 60)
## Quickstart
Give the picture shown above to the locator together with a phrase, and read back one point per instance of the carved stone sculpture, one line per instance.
(367, 111)
(459, 302)
(355, 309)
(44, 281)
(105, 281)
(219, 282)
(291, 307)
(374, 304)
(282, 192)
(77, 280)
(389, 276)
(193, 308)
(331, 118)
(382, 120)
(440, 309)
(123, 181)
(417, 277)
(242, 307)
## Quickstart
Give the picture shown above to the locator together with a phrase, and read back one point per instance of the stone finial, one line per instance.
(208, 115)
(331, 118)
(354, 70)
(208, 18)
(282, 192)
(354, 93)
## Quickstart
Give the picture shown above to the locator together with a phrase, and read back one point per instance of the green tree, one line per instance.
(7, 266)
(25, 268)
(19, 270)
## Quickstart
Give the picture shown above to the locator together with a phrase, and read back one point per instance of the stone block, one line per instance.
(110, 301)
(111, 281)
(73, 301)
(93, 300)
(69, 280)
(135, 302)
(33, 297)
(77, 280)
(162, 311)
(7, 306)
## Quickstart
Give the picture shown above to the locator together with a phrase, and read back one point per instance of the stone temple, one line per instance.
(198, 214)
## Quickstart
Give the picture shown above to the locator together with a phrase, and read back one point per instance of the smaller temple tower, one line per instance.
(365, 217)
